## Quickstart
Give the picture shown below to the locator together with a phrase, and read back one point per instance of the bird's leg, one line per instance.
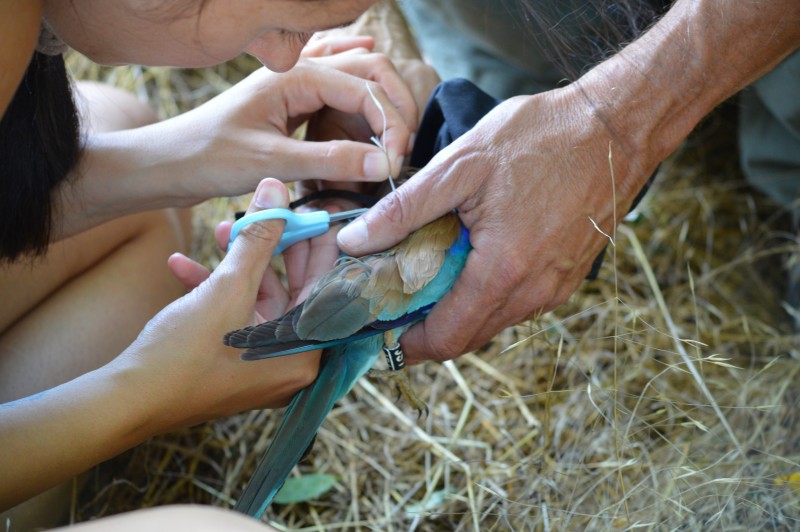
(397, 372)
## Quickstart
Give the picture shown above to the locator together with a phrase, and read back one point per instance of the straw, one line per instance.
(663, 395)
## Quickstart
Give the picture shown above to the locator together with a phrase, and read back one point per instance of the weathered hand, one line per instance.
(530, 181)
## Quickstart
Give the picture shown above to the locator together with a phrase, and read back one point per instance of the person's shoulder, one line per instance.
(19, 36)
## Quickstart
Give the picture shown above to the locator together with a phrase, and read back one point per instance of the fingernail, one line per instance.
(353, 235)
(268, 197)
(376, 165)
(398, 163)
(411, 139)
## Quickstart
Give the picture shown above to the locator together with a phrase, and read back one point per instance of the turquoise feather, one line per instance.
(346, 314)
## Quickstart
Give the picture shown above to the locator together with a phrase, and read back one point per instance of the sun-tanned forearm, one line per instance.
(126, 172)
(225, 146)
(654, 92)
(176, 374)
(51, 437)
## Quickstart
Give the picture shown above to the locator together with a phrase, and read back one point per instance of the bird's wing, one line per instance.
(359, 294)
(272, 332)
(299, 346)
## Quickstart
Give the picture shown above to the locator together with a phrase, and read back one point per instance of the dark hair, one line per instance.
(581, 33)
(39, 145)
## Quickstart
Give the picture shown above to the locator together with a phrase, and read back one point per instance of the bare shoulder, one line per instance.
(19, 35)
(177, 517)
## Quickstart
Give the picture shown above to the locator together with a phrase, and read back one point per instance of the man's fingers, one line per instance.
(464, 321)
(456, 319)
(419, 201)
(443, 335)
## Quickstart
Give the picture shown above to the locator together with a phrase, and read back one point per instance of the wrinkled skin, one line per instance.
(522, 263)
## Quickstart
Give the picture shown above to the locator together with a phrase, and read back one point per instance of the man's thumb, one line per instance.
(391, 220)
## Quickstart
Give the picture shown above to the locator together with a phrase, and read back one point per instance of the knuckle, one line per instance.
(510, 272)
(394, 208)
(443, 348)
(306, 370)
(267, 231)
(376, 58)
(560, 298)
(563, 294)
(337, 153)
(517, 293)
(296, 374)
(377, 88)
(225, 281)
(327, 48)
(540, 298)
(379, 60)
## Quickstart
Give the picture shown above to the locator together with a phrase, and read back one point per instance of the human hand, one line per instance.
(532, 183)
(227, 144)
(331, 124)
(182, 346)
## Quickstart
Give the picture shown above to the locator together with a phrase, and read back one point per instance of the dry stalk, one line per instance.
(663, 395)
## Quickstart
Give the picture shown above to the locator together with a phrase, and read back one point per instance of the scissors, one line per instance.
(299, 225)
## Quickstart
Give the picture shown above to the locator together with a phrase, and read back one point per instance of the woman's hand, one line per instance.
(225, 147)
(246, 132)
(332, 124)
(176, 373)
(182, 346)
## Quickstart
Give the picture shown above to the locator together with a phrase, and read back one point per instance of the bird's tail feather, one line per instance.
(299, 426)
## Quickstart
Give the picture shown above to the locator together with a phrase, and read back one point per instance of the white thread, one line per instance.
(379, 142)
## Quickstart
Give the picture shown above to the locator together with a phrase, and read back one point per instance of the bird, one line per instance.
(355, 311)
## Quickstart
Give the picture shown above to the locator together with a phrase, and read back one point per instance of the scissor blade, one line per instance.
(346, 215)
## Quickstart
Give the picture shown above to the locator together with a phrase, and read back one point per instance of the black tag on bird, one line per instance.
(394, 357)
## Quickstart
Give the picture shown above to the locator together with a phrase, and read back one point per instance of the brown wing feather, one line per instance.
(385, 288)
(356, 291)
(421, 255)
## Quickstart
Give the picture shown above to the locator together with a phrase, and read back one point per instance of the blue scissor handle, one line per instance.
(299, 225)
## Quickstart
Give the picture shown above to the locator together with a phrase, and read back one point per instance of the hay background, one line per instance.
(586, 418)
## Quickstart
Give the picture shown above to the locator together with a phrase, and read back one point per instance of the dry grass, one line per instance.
(664, 395)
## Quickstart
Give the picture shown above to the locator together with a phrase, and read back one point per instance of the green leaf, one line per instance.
(304, 488)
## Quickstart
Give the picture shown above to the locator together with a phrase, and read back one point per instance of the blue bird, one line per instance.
(363, 305)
